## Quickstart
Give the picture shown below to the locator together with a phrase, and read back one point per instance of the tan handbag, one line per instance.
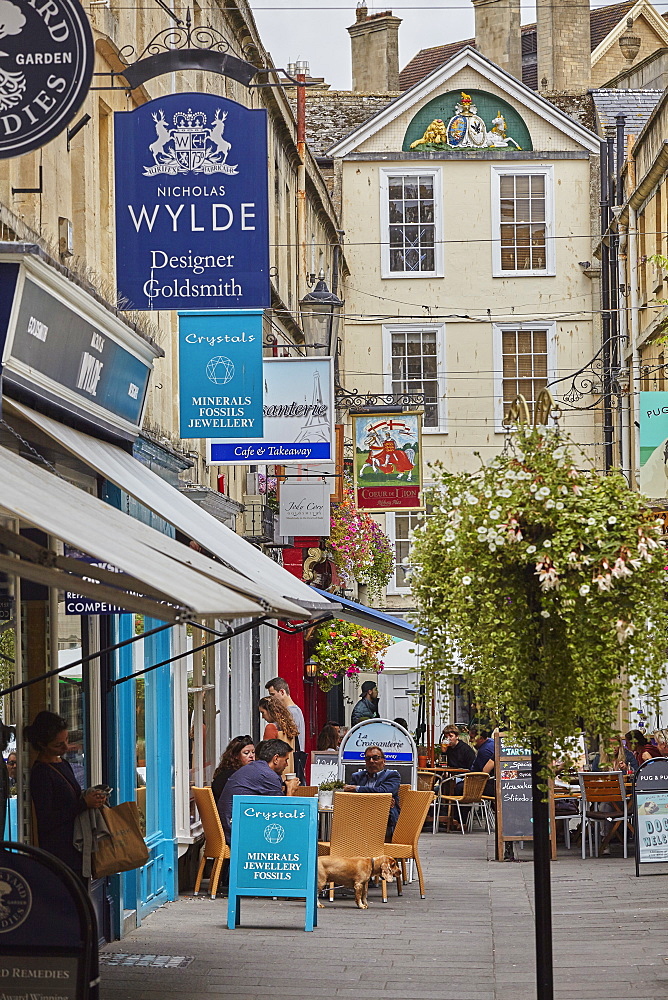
(125, 848)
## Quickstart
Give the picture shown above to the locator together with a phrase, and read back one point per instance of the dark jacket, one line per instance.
(385, 781)
(256, 778)
(364, 709)
(58, 800)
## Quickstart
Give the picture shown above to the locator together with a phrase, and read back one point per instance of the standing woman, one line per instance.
(280, 724)
(238, 752)
(56, 795)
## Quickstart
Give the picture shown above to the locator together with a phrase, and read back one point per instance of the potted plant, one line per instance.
(326, 793)
(423, 756)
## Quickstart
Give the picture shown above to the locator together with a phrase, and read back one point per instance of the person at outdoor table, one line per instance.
(262, 776)
(659, 736)
(237, 753)
(328, 739)
(367, 706)
(612, 756)
(55, 792)
(458, 754)
(377, 778)
(484, 758)
(641, 746)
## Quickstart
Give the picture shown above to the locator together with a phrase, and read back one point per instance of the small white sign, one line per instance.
(304, 507)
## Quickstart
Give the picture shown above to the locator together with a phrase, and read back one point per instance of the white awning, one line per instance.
(269, 580)
(155, 579)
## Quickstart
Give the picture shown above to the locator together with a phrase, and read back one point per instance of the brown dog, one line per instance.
(355, 874)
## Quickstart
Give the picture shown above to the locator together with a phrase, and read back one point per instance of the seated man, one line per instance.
(484, 759)
(261, 777)
(458, 753)
(377, 778)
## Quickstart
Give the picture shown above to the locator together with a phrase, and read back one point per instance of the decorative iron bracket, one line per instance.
(588, 380)
(370, 402)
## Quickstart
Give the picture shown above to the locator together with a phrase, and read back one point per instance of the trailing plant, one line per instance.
(544, 583)
(344, 650)
(359, 546)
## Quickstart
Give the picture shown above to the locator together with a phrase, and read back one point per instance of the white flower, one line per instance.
(492, 547)
(471, 499)
(482, 530)
(550, 503)
(495, 514)
(612, 520)
(533, 488)
(563, 490)
(543, 492)
(584, 590)
(547, 575)
(559, 452)
(488, 493)
(449, 535)
(456, 501)
(559, 505)
(466, 580)
(547, 543)
(624, 630)
(545, 614)
(504, 493)
(620, 569)
(531, 549)
(591, 520)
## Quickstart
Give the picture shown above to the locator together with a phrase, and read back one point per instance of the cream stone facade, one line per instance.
(456, 321)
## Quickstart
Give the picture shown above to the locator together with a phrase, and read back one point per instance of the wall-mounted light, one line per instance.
(311, 668)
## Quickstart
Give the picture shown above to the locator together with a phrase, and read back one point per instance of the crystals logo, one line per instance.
(46, 65)
(15, 900)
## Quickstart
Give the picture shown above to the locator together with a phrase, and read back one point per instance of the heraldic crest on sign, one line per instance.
(466, 130)
(190, 146)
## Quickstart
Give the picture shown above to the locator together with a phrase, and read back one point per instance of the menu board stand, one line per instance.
(650, 816)
(514, 798)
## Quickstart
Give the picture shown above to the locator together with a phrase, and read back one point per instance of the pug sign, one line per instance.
(650, 795)
(274, 852)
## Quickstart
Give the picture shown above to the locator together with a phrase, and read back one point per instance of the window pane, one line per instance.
(538, 185)
(521, 186)
(396, 187)
(537, 210)
(507, 210)
(411, 213)
(426, 187)
(396, 211)
(410, 188)
(507, 186)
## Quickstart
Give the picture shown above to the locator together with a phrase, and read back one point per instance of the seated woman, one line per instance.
(612, 756)
(641, 746)
(238, 752)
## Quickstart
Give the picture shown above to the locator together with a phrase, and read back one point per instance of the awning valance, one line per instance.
(256, 574)
(140, 573)
(361, 614)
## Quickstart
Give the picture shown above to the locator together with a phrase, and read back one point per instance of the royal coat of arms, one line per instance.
(466, 130)
(190, 146)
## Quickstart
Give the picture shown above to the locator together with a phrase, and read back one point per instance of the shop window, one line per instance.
(411, 214)
(522, 222)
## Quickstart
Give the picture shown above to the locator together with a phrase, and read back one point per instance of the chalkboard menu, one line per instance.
(514, 802)
(650, 802)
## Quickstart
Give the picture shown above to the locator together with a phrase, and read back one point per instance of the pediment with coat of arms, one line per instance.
(471, 121)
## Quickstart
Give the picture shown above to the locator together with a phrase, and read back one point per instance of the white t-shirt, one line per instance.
(298, 716)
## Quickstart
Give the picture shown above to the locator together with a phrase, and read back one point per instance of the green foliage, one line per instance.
(330, 786)
(344, 650)
(545, 585)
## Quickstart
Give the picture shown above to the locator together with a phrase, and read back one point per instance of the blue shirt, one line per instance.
(256, 778)
(384, 781)
(484, 755)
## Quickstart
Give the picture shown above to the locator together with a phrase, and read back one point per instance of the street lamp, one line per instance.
(321, 313)
(311, 667)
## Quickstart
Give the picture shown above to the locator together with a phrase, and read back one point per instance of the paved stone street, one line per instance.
(471, 939)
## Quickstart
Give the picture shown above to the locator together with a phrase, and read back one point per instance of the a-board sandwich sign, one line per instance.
(514, 801)
(274, 852)
(46, 65)
(192, 217)
(220, 374)
(650, 807)
(653, 413)
(397, 745)
(324, 766)
(298, 417)
(48, 935)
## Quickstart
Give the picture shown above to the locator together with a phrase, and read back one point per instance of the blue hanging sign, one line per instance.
(274, 852)
(192, 227)
(220, 374)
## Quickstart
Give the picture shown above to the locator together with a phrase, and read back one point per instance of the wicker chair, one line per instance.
(359, 823)
(214, 839)
(404, 845)
(308, 791)
(472, 793)
(402, 791)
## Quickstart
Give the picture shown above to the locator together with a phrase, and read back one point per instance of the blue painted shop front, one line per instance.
(140, 750)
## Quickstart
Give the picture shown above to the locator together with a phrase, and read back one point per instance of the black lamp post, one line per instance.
(321, 314)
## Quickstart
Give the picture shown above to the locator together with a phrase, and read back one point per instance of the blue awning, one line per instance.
(360, 614)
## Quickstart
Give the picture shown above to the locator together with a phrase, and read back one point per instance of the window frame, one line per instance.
(497, 173)
(391, 589)
(410, 171)
(441, 381)
(498, 330)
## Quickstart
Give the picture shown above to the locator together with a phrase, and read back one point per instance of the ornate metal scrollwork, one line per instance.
(353, 400)
(588, 381)
(178, 36)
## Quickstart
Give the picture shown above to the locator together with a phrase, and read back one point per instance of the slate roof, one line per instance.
(333, 114)
(602, 21)
(637, 105)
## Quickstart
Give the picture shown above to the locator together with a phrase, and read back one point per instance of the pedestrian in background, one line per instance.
(367, 706)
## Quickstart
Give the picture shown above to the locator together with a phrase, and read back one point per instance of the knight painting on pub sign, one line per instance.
(388, 461)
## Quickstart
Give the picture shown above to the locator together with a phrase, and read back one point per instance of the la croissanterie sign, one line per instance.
(46, 65)
(192, 228)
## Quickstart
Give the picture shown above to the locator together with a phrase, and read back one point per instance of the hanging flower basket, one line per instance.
(359, 546)
(344, 650)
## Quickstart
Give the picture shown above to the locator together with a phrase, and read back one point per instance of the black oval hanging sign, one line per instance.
(46, 64)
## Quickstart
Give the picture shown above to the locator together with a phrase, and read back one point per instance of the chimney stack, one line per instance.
(564, 46)
(375, 51)
(498, 34)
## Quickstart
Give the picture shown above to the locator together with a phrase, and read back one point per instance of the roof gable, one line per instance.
(641, 9)
(440, 77)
